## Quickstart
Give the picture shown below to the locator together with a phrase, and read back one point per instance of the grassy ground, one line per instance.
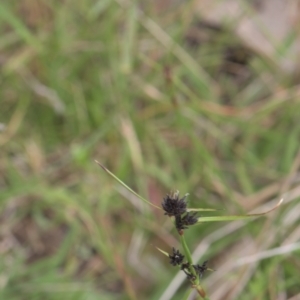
(163, 108)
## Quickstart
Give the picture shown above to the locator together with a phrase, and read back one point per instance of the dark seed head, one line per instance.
(173, 206)
(185, 265)
(177, 258)
(200, 269)
(182, 222)
(190, 218)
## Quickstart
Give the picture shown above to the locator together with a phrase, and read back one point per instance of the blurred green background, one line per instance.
(166, 101)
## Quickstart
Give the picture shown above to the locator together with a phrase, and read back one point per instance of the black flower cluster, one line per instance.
(182, 222)
(201, 269)
(173, 206)
(177, 258)
(186, 269)
(176, 207)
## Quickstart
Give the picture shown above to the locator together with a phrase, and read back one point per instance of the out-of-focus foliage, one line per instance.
(167, 102)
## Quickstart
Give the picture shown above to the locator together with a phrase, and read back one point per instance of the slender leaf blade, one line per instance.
(237, 217)
(202, 209)
(163, 252)
(126, 186)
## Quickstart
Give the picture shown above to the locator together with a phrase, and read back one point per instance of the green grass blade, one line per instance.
(203, 209)
(19, 27)
(234, 218)
(163, 252)
(126, 186)
(129, 39)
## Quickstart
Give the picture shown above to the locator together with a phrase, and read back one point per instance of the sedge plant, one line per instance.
(184, 217)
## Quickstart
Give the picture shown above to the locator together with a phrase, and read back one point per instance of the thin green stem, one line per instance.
(195, 282)
(189, 258)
